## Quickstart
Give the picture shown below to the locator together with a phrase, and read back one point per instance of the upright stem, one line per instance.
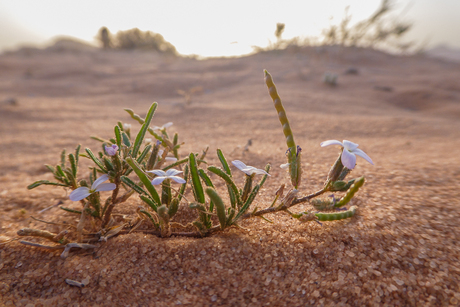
(247, 187)
(293, 152)
(108, 212)
(81, 222)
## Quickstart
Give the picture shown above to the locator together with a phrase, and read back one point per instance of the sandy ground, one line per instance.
(399, 250)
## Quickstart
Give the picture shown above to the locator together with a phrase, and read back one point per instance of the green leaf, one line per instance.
(135, 116)
(120, 125)
(173, 207)
(70, 210)
(184, 185)
(231, 214)
(205, 178)
(51, 169)
(219, 172)
(140, 120)
(196, 183)
(59, 171)
(71, 178)
(220, 207)
(179, 162)
(77, 153)
(144, 153)
(149, 202)
(208, 183)
(96, 138)
(60, 175)
(145, 180)
(146, 213)
(126, 140)
(93, 175)
(203, 155)
(176, 146)
(63, 159)
(224, 163)
(264, 177)
(44, 182)
(145, 126)
(108, 164)
(132, 185)
(118, 136)
(95, 160)
(248, 202)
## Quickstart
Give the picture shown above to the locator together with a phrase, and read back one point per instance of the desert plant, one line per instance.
(381, 29)
(136, 167)
(105, 38)
(145, 40)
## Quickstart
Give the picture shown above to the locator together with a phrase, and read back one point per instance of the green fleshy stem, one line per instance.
(350, 193)
(293, 155)
(166, 192)
(335, 170)
(247, 187)
(323, 217)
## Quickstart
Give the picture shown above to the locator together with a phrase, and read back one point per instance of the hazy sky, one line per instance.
(212, 27)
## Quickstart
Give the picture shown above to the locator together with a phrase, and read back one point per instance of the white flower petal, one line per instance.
(363, 155)
(158, 172)
(177, 179)
(158, 180)
(348, 159)
(172, 172)
(331, 142)
(167, 125)
(285, 165)
(106, 187)
(79, 194)
(239, 165)
(259, 171)
(249, 170)
(99, 180)
(171, 159)
(349, 145)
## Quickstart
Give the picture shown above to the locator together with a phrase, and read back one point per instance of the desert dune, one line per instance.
(400, 249)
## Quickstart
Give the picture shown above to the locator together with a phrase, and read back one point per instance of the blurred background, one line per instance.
(217, 28)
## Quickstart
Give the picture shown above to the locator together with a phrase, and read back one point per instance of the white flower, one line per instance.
(249, 170)
(111, 150)
(285, 165)
(98, 185)
(169, 174)
(172, 159)
(162, 127)
(126, 126)
(350, 151)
